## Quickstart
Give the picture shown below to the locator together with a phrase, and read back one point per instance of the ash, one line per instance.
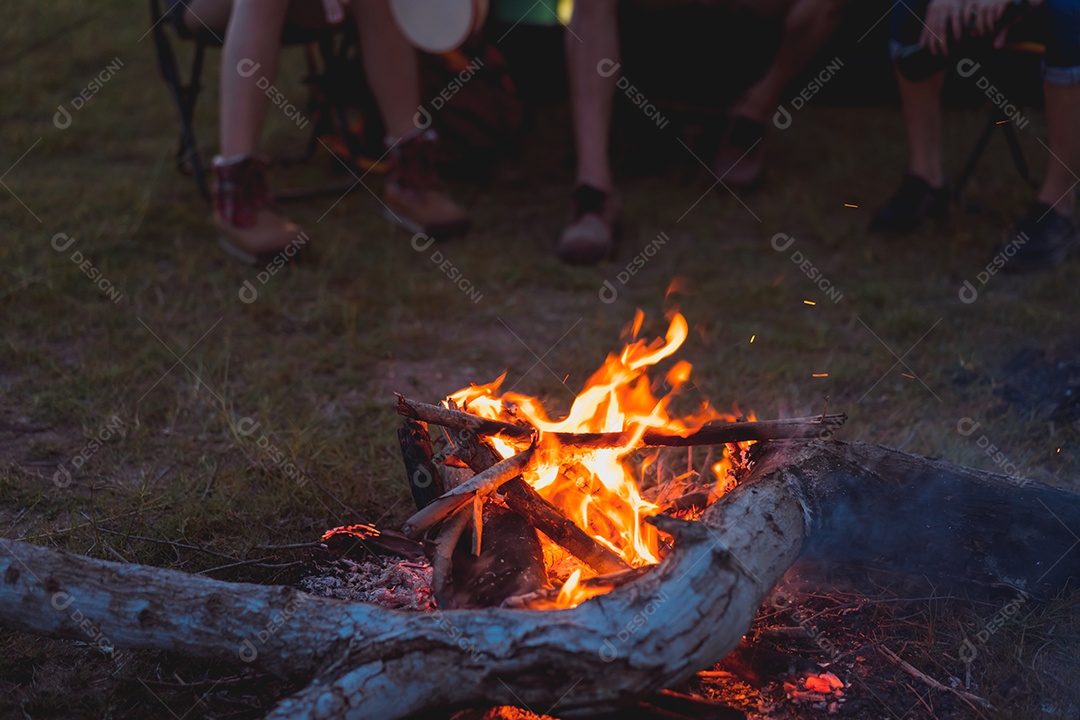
(388, 582)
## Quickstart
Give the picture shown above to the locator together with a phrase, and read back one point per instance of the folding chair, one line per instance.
(1024, 52)
(336, 88)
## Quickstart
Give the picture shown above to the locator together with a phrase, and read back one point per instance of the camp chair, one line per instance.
(1021, 55)
(336, 89)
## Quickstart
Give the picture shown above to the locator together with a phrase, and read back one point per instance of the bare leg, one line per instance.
(921, 104)
(591, 92)
(1062, 119)
(390, 64)
(252, 50)
(807, 27)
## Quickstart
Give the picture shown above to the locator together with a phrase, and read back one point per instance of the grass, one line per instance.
(180, 361)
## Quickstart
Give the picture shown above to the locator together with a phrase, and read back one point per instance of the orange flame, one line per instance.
(597, 490)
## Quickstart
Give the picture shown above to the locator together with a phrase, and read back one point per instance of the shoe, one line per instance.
(593, 231)
(415, 197)
(250, 228)
(1042, 239)
(740, 161)
(915, 201)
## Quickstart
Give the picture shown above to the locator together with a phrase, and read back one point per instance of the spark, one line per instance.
(850, 205)
(908, 376)
(820, 375)
(809, 302)
(752, 338)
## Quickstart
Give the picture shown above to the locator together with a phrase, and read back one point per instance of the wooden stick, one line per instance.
(716, 433)
(911, 670)
(520, 497)
(441, 561)
(448, 502)
(461, 420)
(477, 524)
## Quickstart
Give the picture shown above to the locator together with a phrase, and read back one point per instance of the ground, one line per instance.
(149, 398)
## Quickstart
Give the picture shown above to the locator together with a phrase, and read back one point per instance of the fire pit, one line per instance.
(518, 510)
(590, 562)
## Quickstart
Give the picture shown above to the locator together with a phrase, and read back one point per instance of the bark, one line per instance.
(692, 609)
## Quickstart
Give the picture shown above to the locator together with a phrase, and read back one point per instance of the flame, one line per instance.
(597, 489)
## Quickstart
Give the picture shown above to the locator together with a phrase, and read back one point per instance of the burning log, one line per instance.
(520, 497)
(485, 482)
(511, 564)
(832, 500)
(425, 481)
(718, 433)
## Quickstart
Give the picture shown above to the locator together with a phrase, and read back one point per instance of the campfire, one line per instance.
(592, 562)
(521, 510)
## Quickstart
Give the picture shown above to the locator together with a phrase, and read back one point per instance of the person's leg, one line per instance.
(1063, 131)
(920, 103)
(807, 26)
(1061, 87)
(922, 193)
(414, 197)
(252, 49)
(1047, 233)
(592, 64)
(390, 63)
(249, 226)
(740, 161)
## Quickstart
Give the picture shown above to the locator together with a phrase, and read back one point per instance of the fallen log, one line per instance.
(836, 500)
(715, 433)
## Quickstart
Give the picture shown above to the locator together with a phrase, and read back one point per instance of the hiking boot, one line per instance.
(250, 228)
(415, 197)
(593, 231)
(915, 201)
(1042, 239)
(740, 161)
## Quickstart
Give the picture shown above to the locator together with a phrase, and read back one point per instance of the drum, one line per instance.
(438, 26)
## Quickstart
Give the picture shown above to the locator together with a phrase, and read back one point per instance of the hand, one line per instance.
(941, 16)
(986, 14)
(334, 10)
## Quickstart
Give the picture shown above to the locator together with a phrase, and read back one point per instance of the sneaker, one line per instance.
(915, 201)
(593, 231)
(415, 197)
(250, 228)
(1042, 239)
(740, 161)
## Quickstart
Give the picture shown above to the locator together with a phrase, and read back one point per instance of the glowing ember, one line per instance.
(596, 489)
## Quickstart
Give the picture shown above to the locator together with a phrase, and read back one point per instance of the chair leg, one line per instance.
(183, 94)
(974, 158)
(1017, 154)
